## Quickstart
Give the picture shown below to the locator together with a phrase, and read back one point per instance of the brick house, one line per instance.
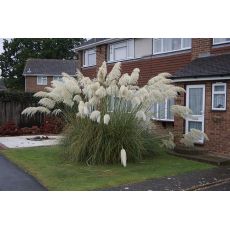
(200, 65)
(39, 73)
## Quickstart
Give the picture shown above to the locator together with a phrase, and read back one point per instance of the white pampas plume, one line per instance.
(77, 98)
(124, 92)
(140, 115)
(114, 74)
(181, 111)
(81, 107)
(41, 94)
(47, 103)
(123, 157)
(56, 111)
(106, 119)
(101, 92)
(94, 115)
(102, 72)
(134, 76)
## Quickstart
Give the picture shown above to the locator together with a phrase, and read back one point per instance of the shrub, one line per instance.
(108, 117)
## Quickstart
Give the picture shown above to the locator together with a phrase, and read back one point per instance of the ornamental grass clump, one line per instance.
(108, 117)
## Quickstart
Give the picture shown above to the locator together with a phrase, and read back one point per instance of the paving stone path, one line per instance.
(12, 178)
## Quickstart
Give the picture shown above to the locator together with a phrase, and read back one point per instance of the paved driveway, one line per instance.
(13, 178)
(216, 179)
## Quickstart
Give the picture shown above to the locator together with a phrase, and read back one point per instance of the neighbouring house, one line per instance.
(200, 65)
(39, 73)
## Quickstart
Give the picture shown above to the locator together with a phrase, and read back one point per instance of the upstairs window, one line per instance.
(219, 96)
(90, 57)
(166, 45)
(162, 111)
(217, 41)
(41, 80)
(121, 51)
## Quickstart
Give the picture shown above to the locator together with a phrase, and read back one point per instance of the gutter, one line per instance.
(106, 41)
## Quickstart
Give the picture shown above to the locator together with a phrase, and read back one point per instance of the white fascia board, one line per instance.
(106, 41)
(201, 79)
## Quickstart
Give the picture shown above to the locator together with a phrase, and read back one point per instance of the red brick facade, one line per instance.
(31, 84)
(201, 46)
(216, 123)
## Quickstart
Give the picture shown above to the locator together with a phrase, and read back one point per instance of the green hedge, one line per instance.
(23, 97)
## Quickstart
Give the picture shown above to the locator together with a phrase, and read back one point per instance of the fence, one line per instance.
(11, 106)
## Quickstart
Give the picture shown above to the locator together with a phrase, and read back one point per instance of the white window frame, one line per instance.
(171, 51)
(156, 117)
(58, 78)
(86, 54)
(42, 81)
(128, 44)
(219, 43)
(219, 92)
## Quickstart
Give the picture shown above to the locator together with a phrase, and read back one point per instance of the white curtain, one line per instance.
(196, 100)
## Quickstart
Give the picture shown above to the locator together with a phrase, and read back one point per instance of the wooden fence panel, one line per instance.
(10, 111)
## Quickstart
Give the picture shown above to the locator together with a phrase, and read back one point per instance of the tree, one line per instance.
(18, 50)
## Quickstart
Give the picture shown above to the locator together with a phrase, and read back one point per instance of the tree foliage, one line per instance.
(18, 50)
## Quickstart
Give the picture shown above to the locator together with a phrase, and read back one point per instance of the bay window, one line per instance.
(162, 111)
(219, 96)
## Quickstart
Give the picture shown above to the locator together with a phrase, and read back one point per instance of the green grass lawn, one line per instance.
(45, 164)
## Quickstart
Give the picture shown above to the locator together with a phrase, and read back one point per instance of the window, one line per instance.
(219, 96)
(143, 47)
(217, 41)
(165, 45)
(57, 78)
(162, 111)
(41, 80)
(90, 57)
(121, 51)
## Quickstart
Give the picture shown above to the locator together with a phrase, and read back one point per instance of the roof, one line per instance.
(218, 65)
(50, 67)
(91, 43)
(2, 85)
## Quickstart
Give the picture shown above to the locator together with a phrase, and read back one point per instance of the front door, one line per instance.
(195, 100)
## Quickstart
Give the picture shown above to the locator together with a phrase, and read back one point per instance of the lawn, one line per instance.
(45, 164)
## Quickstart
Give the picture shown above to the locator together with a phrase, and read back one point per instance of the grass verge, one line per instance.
(45, 164)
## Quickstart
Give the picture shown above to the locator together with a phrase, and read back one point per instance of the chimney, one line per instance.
(201, 47)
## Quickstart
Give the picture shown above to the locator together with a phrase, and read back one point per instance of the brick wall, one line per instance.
(31, 84)
(101, 55)
(216, 125)
(201, 46)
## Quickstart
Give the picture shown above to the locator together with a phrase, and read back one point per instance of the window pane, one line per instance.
(91, 59)
(167, 44)
(157, 45)
(161, 111)
(176, 43)
(221, 40)
(219, 101)
(186, 43)
(120, 53)
(170, 102)
(154, 110)
(196, 100)
(194, 125)
(219, 88)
